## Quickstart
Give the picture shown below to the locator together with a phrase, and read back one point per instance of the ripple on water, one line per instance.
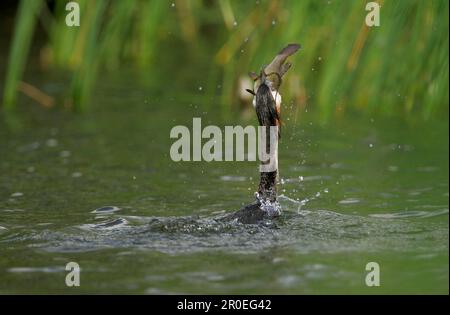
(106, 210)
(13, 210)
(411, 214)
(349, 201)
(229, 178)
(50, 269)
(106, 225)
(301, 231)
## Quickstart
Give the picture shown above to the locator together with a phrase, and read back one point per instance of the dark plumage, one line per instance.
(266, 107)
(249, 214)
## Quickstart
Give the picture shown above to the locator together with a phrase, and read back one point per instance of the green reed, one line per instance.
(399, 68)
(24, 27)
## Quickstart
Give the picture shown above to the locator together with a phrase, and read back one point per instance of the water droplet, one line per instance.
(393, 168)
(76, 174)
(17, 194)
(51, 143)
(278, 260)
(274, 22)
(64, 154)
(370, 145)
(235, 23)
(200, 88)
(173, 5)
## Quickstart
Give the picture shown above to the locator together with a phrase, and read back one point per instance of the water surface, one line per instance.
(100, 189)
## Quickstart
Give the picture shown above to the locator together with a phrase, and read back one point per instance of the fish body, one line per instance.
(273, 73)
(267, 100)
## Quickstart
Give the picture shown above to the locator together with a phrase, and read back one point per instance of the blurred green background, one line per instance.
(397, 69)
(363, 154)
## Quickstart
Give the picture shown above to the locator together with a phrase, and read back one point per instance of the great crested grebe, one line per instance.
(267, 103)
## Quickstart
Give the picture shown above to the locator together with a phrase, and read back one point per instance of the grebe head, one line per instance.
(272, 74)
(273, 85)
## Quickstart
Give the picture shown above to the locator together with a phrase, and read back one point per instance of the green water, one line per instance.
(353, 191)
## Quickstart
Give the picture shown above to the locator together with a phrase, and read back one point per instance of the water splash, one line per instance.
(302, 231)
(273, 209)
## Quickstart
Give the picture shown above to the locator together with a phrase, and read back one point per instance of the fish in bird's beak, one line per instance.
(274, 72)
(271, 76)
